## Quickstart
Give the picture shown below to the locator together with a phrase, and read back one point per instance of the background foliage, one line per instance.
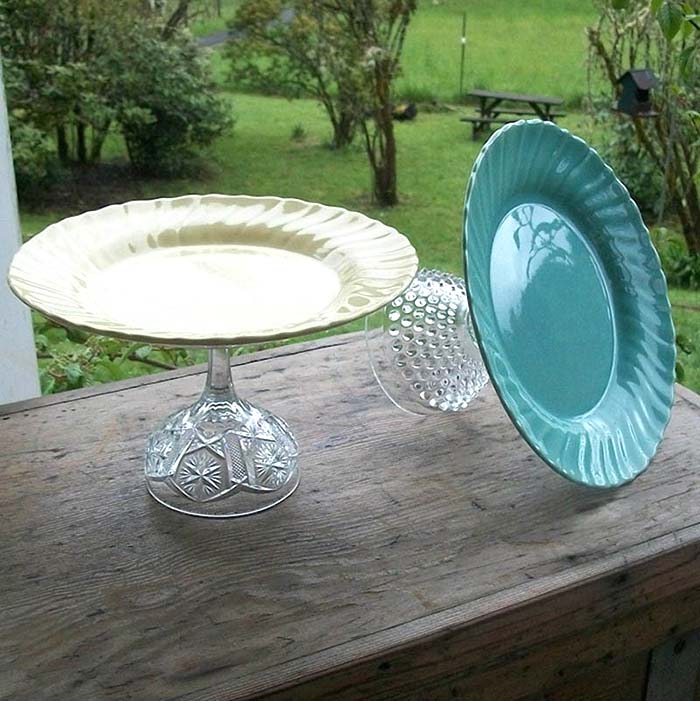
(76, 68)
(434, 152)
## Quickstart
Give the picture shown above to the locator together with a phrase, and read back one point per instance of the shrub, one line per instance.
(618, 145)
(682, 268)
(165, 101)
(74, 69)
(298, 133)
(33, 156)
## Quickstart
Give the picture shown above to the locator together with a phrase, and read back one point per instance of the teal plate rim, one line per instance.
(620, 453)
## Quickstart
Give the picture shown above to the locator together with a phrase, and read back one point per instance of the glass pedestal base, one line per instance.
(222, 457)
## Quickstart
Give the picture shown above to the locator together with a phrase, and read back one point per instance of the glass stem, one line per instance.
(219, 383)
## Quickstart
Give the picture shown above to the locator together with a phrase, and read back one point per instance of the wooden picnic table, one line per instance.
(492, 110)
(425, 558)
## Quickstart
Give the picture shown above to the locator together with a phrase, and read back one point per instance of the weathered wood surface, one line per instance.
(430, 558)
(674, 667)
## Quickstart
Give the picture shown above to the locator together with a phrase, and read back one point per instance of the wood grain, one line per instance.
(674, 667)
(618, 680)
(420, 558)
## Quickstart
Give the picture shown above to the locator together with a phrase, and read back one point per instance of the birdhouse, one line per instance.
(635, 97)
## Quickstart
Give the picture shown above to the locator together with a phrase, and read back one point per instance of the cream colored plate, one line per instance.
(212, 269)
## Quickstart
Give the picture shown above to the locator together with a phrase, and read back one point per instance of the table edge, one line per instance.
(364, 653)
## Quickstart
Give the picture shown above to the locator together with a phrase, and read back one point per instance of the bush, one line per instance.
(75, 69)
(69, 359)
(684, 271)
(33, 157)
(619, 147)
(298, 133)
(682, 268)
(165, 101)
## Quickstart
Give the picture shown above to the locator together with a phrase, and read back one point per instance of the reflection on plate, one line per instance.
(569, 304)
(213, 269)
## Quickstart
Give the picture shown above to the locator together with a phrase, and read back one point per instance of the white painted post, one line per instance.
(19, 378)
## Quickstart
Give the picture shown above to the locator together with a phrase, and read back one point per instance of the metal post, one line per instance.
(19, 377)
(464, 46)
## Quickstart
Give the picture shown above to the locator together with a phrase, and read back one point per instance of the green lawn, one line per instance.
(207, 21)
(533, 46)
(686, 317)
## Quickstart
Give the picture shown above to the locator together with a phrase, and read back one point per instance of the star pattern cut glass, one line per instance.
(219, 446)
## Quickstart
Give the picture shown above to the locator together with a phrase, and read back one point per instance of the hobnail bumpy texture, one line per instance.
(422, 348)
(213, 449)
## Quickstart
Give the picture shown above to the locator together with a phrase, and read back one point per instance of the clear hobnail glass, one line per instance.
(421, 346)
(221, 457)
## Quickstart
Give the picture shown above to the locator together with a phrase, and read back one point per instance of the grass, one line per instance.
(686, 317)
(207, 21)
(532, 46)
(261, 157)
(508, 44)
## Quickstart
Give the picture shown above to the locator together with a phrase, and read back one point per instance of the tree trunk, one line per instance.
(384, 161)
(691, 223)
(62, 145)
(177, 17)
(385, 193)
(98, 139)
(343, 129)
(81, 142)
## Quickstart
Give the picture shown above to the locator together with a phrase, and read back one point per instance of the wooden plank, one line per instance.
(485, 120)
(618, 680)
(566, 638)
(525, 113)
(673, 669)
(516, 97)
(418, 555)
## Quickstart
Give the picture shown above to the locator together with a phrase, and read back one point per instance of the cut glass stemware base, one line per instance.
(221, 457)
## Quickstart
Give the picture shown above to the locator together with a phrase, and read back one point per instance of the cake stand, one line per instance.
(214, 271)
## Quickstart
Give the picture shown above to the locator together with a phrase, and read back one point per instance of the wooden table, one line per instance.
(432, 558)
(491, 109)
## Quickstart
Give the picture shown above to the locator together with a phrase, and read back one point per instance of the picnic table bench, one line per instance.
(492, 110)
(425, 558)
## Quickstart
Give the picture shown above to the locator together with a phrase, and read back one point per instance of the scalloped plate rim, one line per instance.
(220, 340)
(511, 413)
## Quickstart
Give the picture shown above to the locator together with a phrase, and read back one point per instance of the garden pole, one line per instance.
(19, 378)
(464, 45)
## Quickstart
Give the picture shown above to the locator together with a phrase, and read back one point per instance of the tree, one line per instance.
(296, 49)
(178, 17)
(376, 29)
(163, 99)
(75, 67)
(674, 17)
(628, 35)
(345, 53)
(48, 50)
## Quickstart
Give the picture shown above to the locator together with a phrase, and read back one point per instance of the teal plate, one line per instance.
(569, 304)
